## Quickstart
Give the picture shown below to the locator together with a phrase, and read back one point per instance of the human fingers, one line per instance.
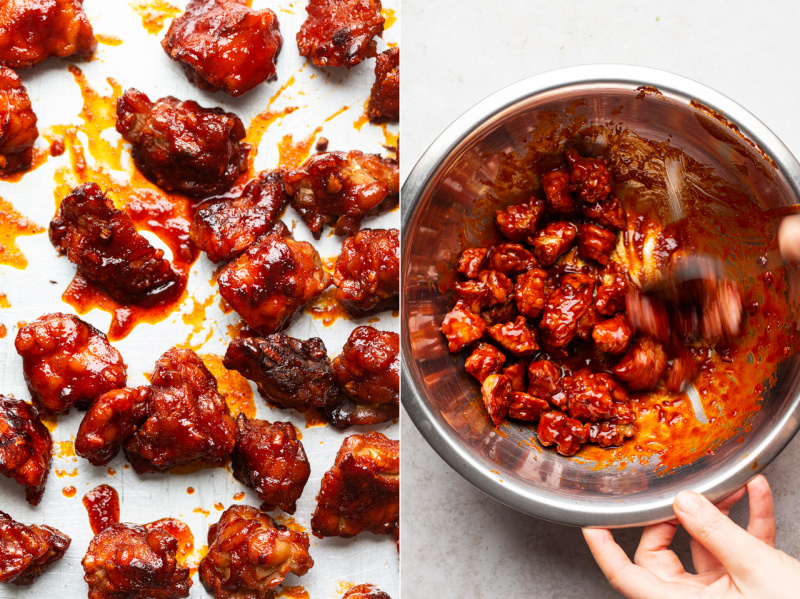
(654, 553)
(762, 510)
(635, 582)
(703, 560)
(730, 544)
(725, 504)
(789, 238)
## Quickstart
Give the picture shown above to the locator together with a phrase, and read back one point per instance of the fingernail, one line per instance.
(688, 501)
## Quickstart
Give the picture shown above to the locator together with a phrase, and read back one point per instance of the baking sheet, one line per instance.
(332, 99)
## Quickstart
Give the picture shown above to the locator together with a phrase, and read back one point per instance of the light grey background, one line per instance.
(457, 542)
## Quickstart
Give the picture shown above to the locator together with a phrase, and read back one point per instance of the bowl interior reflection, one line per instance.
(444, 400)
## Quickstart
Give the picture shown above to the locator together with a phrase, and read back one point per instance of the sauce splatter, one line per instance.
(102, 505)
(84, 296)
(3, 331)
(110, 471)
(13, 225)
(362, 120)
(390, 18)
(297, 592)
(69, 491)
(238, 496)
(108, 40)
(199, 510)
(327, 309)
(66, 473)
(50, 421)
(196, 319)
(65, 449)
(4, 303)
(182, 534)
(218, 506)
(337, 113)
(154, 13)
(190, 490)
(232, 386)
(291, 154)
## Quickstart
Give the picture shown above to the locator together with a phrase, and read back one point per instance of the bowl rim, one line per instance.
(527, 498)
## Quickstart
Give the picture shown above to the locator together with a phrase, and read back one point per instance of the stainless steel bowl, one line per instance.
(441, 189)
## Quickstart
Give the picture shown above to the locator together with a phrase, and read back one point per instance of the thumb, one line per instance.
(734, 547)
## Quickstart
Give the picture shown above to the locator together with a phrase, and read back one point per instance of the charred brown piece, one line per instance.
(271, 283)
(339, 33)
(510, 259)
(462, 327)
(18, 130)
(33, 30)
(552, 241)
(188, 418)
(367, 274)
(518, 222)
(289, 372)
(67, 362)
(484, 360)
(27, 551)
(25, 446)
(567, 434)
(589, 177)
(249, 555)
(365, 591)
(643, 365)
(564, 308)
(471, 262)
(529, 292)
(270, 459)
(180, 417)
(128, 560)
(108, 250)
(342, 188)
(556, 189)
(543, 378)
(225, 44)
(225, 227)
(361, 491)
(613, 335)
(110, 422)
(497, 392)
(526, 407)
(596, 243)
(384, 99)
(181, 146)
(368, 370)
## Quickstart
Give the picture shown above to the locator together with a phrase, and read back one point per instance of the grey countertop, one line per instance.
(456, 541)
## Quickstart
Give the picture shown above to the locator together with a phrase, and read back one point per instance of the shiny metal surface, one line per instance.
(441, 189)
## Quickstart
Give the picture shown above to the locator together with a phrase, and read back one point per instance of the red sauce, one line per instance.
(327, 309)
(287, 592)
(218, 506)
(102, 504)
(232, 386)
(238, 496)
(13, 225)
(190, 490)
(291, 153)
(69, 491)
